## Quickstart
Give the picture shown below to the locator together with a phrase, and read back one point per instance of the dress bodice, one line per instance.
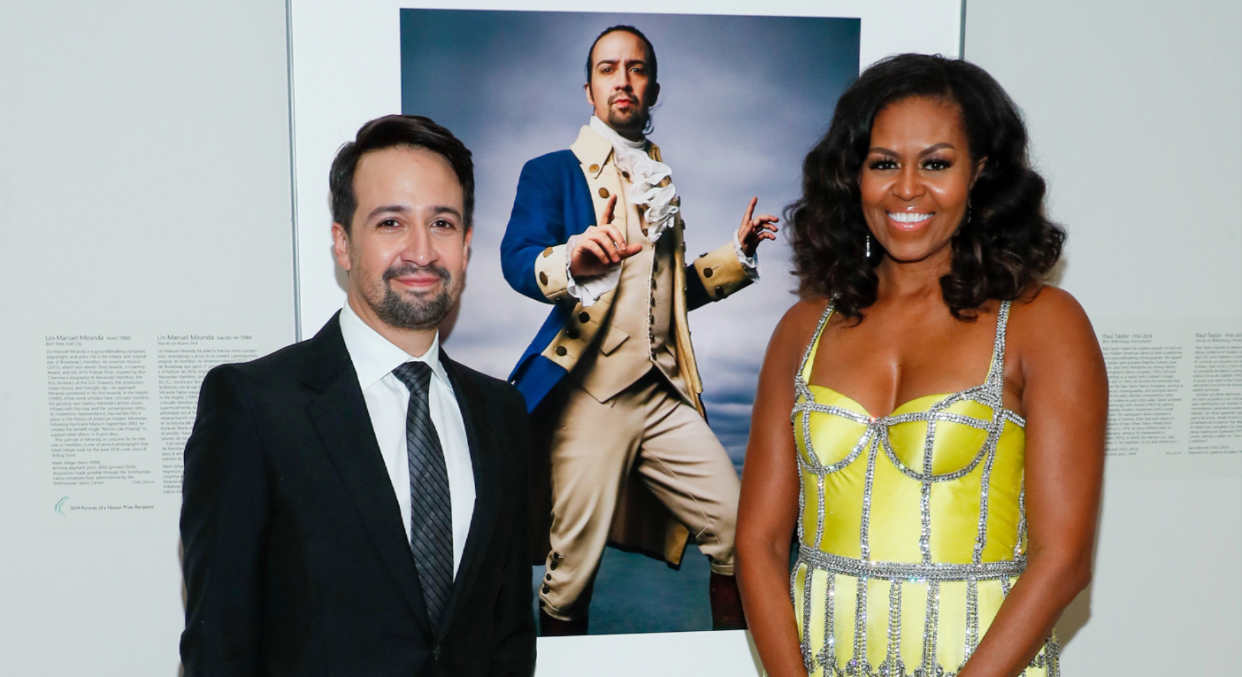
(939, 480)
(922, 509)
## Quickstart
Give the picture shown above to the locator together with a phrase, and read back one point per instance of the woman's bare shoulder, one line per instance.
(799, 322)
(1051, 321)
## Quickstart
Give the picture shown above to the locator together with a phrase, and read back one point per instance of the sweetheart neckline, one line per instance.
(940, 398)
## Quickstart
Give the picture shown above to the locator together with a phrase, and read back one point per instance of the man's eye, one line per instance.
(389, 223)
(441, 223)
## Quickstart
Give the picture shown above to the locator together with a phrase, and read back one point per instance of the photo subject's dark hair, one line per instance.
(1006, 246)
(652, 66)
(397, 131)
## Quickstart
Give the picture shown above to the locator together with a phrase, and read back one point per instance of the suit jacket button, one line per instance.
(593, 168)
(603, 192)
(584, 317)
(543, 278)
(435, 653)
(560, 350)
(546, 589)
(554, 565)
(571, 333)
(720, 291)
(547, 252)
(707, 272)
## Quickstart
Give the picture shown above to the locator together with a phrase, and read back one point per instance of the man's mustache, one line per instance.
(411, 269)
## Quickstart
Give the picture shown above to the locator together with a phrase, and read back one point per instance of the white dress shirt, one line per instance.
(388, 400)
(662, 205)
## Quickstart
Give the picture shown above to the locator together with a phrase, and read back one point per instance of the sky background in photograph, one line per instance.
(742, 100)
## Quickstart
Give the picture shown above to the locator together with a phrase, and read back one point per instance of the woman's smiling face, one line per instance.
(916, 180)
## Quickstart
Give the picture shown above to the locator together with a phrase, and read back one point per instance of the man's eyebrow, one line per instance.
(400, 209)
(445, 209)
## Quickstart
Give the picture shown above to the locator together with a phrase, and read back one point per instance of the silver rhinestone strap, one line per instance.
(936, 571)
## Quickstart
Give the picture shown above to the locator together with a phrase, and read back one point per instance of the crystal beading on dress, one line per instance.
(981, 583)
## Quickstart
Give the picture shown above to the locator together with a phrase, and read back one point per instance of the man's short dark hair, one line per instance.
(651, 65)
(397, 131)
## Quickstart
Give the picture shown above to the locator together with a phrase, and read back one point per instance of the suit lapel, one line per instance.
(340, 417)
(480, 437)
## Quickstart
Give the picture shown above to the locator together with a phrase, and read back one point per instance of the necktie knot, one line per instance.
(415, 375)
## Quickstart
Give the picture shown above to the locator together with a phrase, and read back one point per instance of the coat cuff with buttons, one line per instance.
(721, 272)
(550, 267)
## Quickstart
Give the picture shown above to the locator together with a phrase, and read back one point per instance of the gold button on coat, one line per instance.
(603, 192)
(584, 317)
(547, 252)
(593, 168)
(560, 350)
(543, 279)
(707, 272)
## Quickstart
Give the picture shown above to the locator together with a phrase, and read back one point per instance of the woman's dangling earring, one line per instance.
(868, 254)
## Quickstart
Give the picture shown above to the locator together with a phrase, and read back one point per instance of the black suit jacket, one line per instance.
(295, 557)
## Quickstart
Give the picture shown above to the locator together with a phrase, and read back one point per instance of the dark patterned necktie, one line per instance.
(431, 517)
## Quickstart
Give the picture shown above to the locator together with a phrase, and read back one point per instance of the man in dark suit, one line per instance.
(356, 504)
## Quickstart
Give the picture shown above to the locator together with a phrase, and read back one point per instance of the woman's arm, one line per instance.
(1064, 394)
(768, 508)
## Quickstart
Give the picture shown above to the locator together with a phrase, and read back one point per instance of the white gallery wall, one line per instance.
(145, 193)
(1135, 116)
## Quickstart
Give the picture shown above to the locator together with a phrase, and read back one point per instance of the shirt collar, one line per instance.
(375, 357)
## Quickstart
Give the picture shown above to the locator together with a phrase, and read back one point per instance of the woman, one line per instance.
(938, 533)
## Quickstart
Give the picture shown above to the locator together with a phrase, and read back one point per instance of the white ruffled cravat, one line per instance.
(646, 174)
(662, 205)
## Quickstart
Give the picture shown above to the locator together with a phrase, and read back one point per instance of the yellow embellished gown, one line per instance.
(912, 527)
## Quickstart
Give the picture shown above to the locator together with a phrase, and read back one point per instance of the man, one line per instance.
(611, 376)
(356, 504)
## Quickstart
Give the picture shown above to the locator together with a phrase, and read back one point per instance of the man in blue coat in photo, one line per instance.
(627, 457)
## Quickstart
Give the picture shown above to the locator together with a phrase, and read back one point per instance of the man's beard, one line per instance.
(420, 312)
(635, 120)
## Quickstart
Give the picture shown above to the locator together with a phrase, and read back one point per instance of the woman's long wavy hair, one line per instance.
(1004, 248)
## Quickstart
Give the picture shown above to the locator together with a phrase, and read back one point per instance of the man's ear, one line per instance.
(589, 97)
(466, 244)
(340, 245)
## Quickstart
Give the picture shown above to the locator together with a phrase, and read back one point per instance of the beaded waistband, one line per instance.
(818, 559)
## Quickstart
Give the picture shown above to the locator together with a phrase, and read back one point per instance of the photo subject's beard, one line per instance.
(633, 122)
(409, 311)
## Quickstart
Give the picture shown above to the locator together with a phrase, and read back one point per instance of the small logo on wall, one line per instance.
(60, 505)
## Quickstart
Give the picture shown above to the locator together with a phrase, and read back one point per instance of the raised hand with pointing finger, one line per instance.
(755, 229)
(601, 247)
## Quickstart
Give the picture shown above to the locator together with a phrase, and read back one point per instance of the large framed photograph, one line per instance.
(746, 89)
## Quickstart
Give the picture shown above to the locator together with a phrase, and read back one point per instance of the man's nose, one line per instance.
(419, 248)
